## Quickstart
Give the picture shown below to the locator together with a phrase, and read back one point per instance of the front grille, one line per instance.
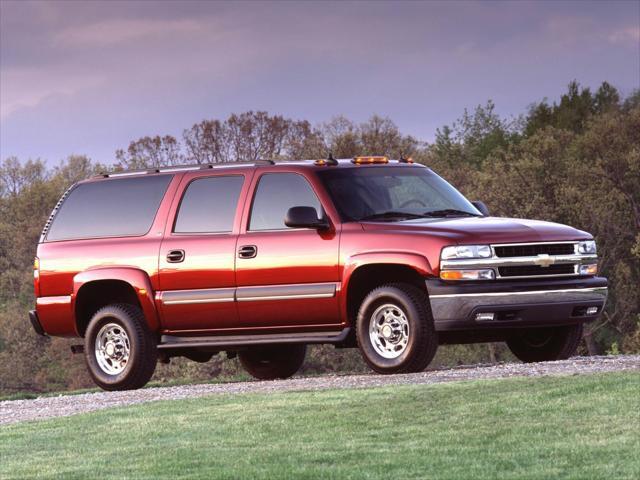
(533, 270)
(534, 250)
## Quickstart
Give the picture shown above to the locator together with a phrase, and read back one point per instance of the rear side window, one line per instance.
(275, 195)
(209, 205)
(110, 208)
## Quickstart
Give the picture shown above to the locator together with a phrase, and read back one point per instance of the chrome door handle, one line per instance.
(247, 251)
(175, 256)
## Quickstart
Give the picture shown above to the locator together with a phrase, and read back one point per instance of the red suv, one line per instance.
(262, 259)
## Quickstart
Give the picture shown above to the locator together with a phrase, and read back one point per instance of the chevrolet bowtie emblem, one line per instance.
(544, 260)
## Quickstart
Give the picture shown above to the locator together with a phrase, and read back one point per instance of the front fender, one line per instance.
(415, 261)
(136, 278)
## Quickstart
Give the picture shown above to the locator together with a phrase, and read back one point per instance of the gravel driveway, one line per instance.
(13, 411)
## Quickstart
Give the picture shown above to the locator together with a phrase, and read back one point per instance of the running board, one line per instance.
(218, 341)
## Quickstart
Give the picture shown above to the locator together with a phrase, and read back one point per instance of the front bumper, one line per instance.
(515, 303)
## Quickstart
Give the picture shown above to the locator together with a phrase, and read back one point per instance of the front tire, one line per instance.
(395, 329)
(274, 361)
(546, 344)
(120, 351)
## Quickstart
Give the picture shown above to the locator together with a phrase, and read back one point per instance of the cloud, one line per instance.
(120, 31)
(629, 36)
(28, 87)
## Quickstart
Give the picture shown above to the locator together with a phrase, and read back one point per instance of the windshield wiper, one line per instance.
(391, 214)
(450, 212)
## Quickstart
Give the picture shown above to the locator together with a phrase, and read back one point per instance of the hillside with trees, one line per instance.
(574, 161)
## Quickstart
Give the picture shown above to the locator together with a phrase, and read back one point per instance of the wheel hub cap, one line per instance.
(386, 331)
(112, 348)
(389, 331)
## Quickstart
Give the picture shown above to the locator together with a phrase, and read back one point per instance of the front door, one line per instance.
(197, 255)
(286, 277)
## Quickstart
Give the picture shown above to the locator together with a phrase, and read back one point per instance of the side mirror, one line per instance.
(304, 217)
(484, 210)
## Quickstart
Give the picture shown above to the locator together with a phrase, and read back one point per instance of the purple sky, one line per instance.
(88, 77)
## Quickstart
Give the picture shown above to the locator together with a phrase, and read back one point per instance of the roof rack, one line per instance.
(181, 168)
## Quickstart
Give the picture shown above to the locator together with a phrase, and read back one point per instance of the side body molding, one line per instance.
(138, 279)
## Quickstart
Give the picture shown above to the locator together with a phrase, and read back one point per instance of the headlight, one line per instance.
(466, 251)
(587, 247)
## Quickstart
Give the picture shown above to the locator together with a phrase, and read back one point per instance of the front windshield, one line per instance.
(393, 193)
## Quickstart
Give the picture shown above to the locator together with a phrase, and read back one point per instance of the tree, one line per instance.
(206, 142)
(150, 152)
(574, 110)
(14, 175)
(380, 136)
(250, 136)
(341, 138)
(469, 140)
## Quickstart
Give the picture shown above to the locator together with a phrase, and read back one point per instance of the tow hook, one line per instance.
(75, 349)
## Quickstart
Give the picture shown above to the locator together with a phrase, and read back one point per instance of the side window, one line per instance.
(275, 195)
(209, 205)
(110, 208)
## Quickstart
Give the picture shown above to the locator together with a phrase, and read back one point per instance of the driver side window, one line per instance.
(275, 195)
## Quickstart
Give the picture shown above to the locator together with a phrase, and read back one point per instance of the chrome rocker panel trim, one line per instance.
(248, 294)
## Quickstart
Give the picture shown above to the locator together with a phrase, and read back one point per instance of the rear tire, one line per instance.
(546, 344)
(395, 329)
(274, 361)
(120, 351)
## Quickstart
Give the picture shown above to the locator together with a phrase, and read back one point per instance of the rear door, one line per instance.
(287, 277)
(197, 255)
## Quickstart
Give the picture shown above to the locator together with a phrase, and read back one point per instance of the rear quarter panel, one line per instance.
(62, 261)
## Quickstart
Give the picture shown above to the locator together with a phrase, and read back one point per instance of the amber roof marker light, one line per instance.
(369, 160)
(326, 161)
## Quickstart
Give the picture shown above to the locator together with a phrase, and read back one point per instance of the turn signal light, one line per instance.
(590, 269)
(369, 160)
(484, 274)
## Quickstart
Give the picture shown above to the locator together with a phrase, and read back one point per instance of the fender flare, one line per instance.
(415, 261)
(135, 277)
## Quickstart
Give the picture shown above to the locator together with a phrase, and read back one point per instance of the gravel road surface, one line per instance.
(13, 411)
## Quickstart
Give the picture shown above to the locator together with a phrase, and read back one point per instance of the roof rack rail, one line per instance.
(264, 162)
(179, 168)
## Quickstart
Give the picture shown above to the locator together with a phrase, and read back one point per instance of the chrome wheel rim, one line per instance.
(112, 349)
(389, 331)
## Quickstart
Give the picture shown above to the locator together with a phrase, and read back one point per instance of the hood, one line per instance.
(470, 230)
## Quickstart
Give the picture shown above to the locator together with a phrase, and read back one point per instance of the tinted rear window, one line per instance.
(209, 205)
(110, 208)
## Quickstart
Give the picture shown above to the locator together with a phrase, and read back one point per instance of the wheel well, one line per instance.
(100, 293)
(368, 277)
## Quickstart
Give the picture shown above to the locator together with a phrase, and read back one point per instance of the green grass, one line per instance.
(563, 427)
